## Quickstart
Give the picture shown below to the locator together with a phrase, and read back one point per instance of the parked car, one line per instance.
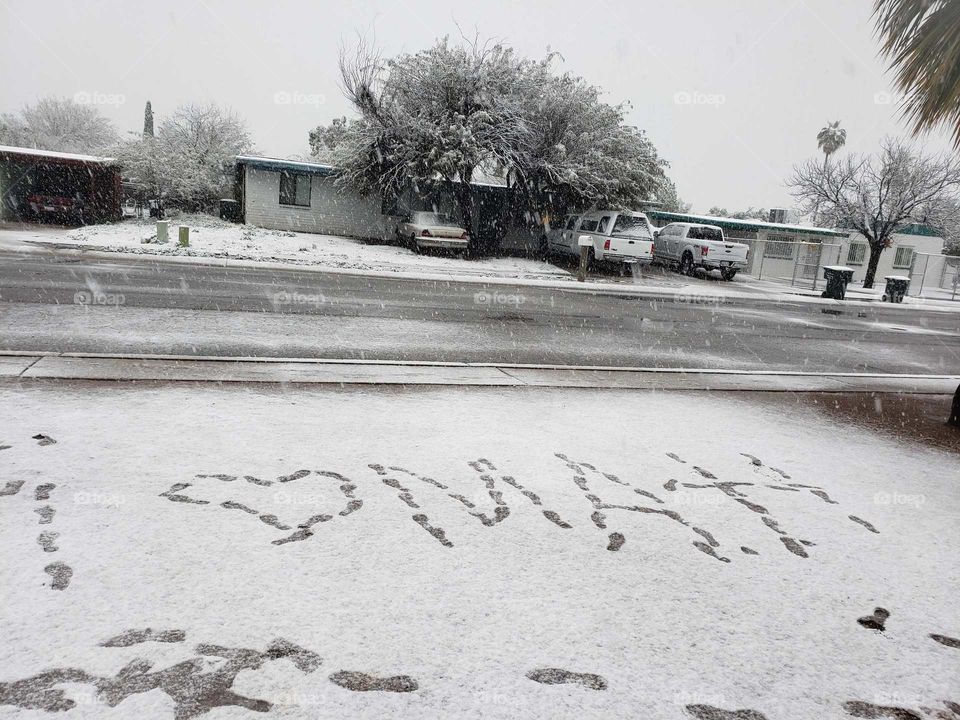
(56, 207)
(689, 246)
(618, 236)
(423, 229)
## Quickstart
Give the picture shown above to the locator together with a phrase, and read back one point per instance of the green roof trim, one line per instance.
(662, 217)
(918, 229)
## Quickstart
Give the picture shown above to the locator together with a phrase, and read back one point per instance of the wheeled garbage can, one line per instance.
(837, 277)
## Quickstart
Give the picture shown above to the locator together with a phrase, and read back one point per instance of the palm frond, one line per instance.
(921, 38)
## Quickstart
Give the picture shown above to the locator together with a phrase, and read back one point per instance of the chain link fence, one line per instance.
(935, 276)
(800, 262)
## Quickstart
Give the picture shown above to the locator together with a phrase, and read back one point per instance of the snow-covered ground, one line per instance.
(656, 555)
(211, 237)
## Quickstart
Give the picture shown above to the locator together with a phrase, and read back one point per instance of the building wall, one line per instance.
(768, 246)
(919, 243)
(332, 211)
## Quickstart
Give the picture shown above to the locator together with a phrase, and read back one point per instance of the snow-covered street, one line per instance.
(331, 553)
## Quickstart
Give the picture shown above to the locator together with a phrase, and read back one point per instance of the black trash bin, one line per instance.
(229, 210)
(837, 277)
(897, 286)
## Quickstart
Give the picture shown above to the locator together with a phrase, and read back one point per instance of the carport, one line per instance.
(56, 187)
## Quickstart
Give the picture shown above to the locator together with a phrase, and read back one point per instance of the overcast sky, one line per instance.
(732, 92)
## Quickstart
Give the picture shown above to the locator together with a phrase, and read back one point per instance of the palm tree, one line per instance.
(921, 38)
(830, 139)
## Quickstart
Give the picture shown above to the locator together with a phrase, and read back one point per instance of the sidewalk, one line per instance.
(174, 369)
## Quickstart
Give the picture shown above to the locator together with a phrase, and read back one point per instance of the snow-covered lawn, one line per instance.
(211, 237)
(451, 553)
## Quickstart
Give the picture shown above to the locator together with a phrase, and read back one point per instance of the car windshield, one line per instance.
(699, 232)
(434, 218)
(631, 226)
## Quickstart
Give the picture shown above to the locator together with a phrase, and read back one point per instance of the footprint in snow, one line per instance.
(362, 682)
(559, 676)
(709, 712)
(876, 621)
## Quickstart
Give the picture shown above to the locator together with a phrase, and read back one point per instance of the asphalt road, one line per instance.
(181, 308)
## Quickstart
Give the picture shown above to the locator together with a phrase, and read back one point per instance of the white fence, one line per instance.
(800, 262)
(937, 275)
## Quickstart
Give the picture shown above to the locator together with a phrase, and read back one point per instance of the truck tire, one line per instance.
(686, 264)
(728, 274)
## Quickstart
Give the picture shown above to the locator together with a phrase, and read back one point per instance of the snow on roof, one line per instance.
(271, 163)
(33, 152)
(281, 163)
(752, 224)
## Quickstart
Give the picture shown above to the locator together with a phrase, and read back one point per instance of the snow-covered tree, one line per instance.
(575, 149)
(876, 195)
(190, 161)
(58, 124)
(324, 139)
(831, 138)
(451, 112)
(670, 199)
(751, 213)
(148, 120)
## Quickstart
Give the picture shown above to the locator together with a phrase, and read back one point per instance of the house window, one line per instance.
(856, 253)
(294, 189)
(903, 258)
(778, 247)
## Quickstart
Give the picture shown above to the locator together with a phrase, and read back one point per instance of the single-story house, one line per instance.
(47, 186)
(798, 252)
(303, 196)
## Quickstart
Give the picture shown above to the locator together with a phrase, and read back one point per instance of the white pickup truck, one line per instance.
(617, 236)
(689, 246)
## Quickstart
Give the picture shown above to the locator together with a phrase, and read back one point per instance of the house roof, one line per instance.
(33, 153)
(732, 224)
(268, 163)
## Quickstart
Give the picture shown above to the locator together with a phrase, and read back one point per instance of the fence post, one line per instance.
(923, 276)
(816, 271)
(763, 251)
(796, 261)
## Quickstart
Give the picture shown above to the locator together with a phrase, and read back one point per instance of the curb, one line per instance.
(21, 366)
